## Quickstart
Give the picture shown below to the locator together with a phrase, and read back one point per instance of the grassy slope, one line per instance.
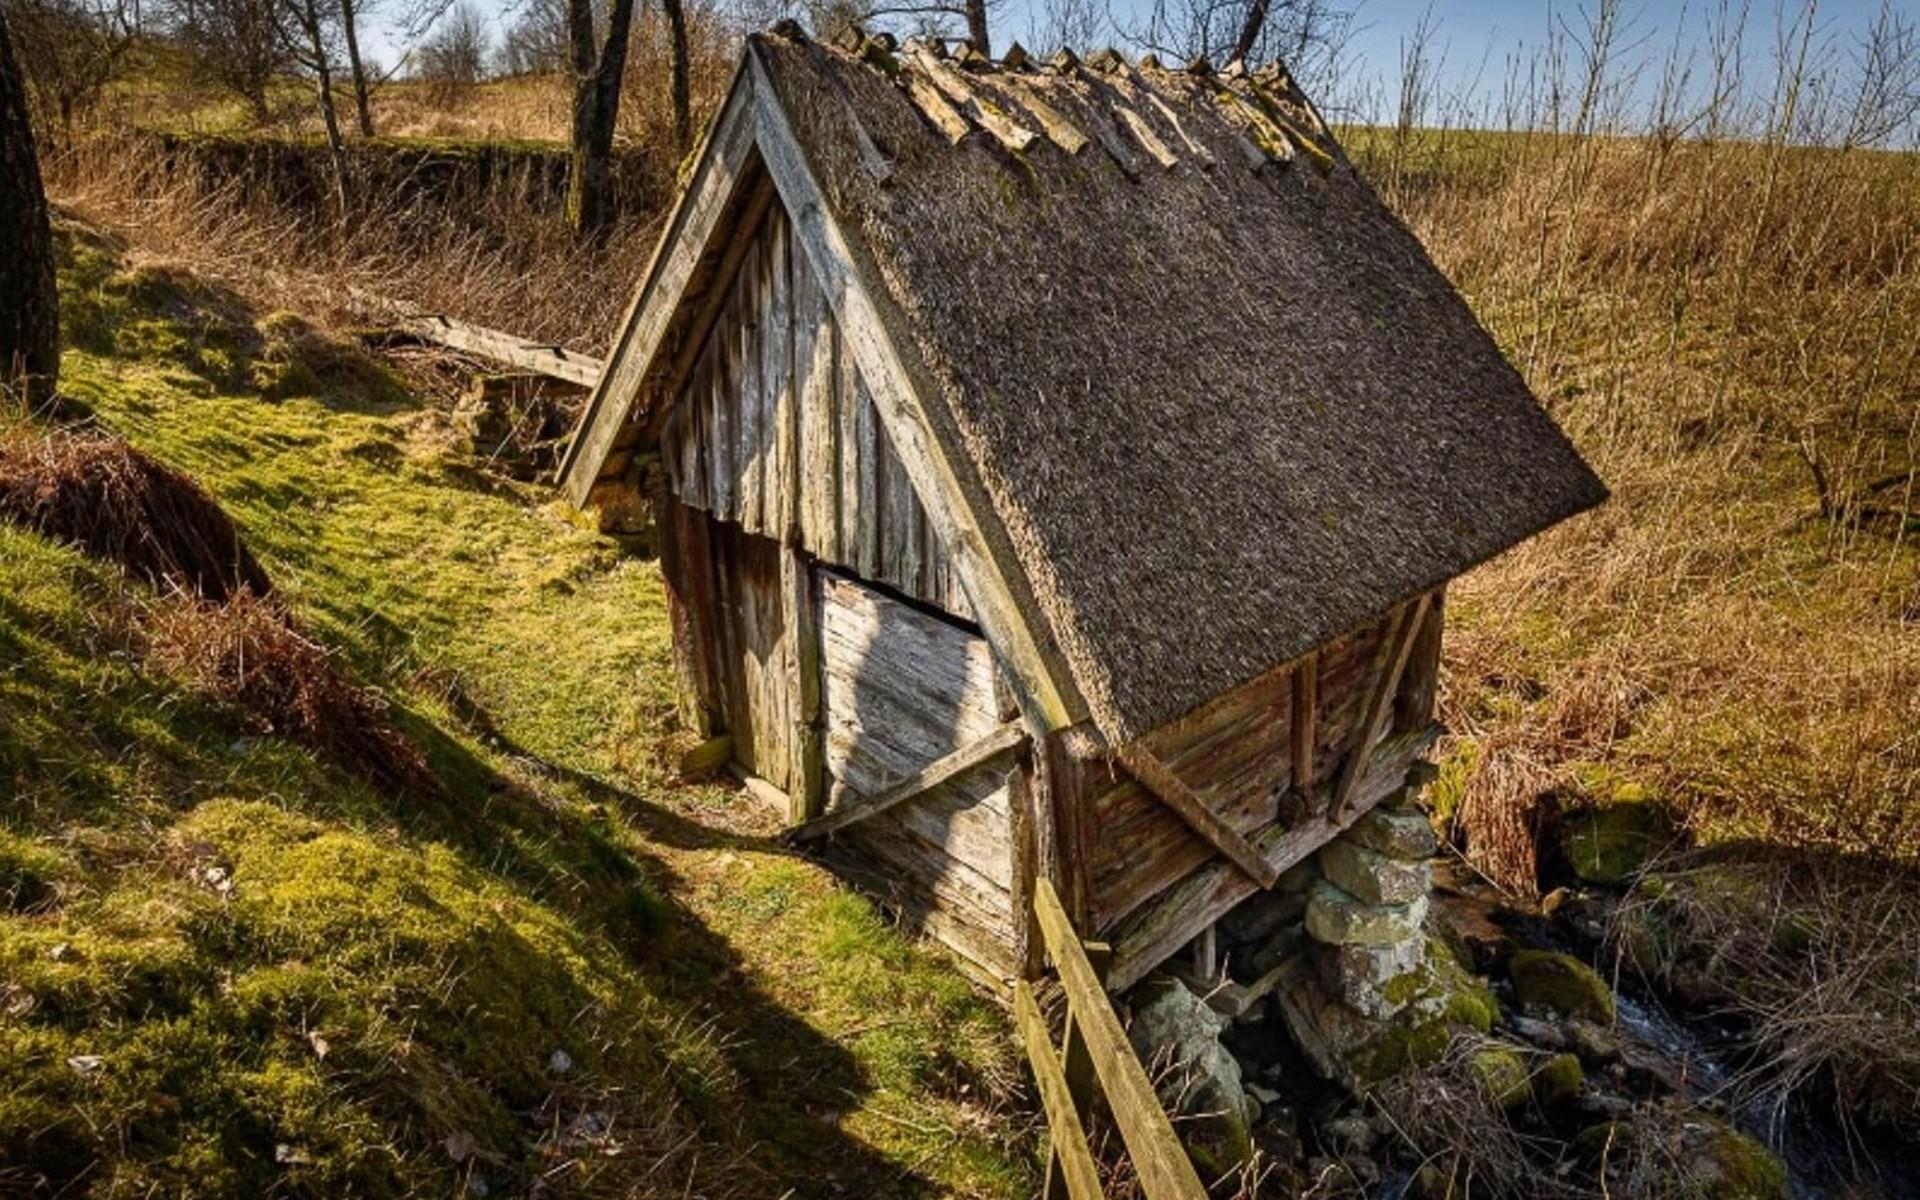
(290, 983)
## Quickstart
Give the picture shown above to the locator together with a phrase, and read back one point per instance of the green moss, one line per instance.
(1559, 1078)
(1611, 842)
(232, 967)
(1562, 983)
(1502, 1074)
(1446, 792)
(1734, 1166)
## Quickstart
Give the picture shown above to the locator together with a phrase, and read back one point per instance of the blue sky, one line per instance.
(1473, 40)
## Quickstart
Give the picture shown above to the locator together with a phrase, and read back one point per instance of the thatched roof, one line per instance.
(1223, 404)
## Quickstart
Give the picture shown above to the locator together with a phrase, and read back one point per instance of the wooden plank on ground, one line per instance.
(935, 773)
(1158, 1158)
(1066, 1136)
(556, 362)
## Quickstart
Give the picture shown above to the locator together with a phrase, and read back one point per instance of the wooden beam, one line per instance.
(1005, 737)
(1407, 623)
(1066, 1135)
(555, 362)
(713, 298)
(1158, 778)
(723, 157)
(987, 578)
(1306, 721)
(1161, 1162)
(1149, 937)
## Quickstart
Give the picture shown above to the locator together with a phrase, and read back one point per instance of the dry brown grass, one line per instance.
(113, 502)
(1737, 628)
(247, 655)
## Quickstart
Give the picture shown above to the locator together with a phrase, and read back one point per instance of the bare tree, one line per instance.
(536, 41)
(349, 31)
(237, 42)
(454, 55)
(679, 83)
(306, 36)
(29, 304)
(69, 49)
(1075, 24)
(1307, 35)
(597, 72)
(1887, 98)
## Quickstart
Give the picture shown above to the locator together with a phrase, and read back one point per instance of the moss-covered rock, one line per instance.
(1612, 842)
(1502, 1073)
(1559, 1078)
(1560, 982)
(1729, 1165)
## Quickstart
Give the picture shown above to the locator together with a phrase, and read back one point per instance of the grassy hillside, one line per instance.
(229, 965)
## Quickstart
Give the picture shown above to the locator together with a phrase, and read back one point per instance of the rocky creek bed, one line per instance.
(1510, 1066)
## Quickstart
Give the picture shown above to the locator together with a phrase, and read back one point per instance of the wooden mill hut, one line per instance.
(1056, 468)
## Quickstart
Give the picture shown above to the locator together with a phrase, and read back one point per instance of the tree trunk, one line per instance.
(323, 86)
(1250, 30)
(977, 36)
(360, 104)
(596, 104)
(678, 87)
(29, 305)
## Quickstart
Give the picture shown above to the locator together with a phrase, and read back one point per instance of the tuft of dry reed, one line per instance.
(115, 503)
(246, 655)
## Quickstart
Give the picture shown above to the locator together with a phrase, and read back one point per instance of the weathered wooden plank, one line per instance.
(1023, 855)
(558, 362)
(1197, 150)
(724, 156)
(1066, 1135)
(807, 777)
(1156, 1153)
(1407, 623)
(1059, 130)
(780, 516)
(934, 106)
(1076, 1060)
(1155, 933)
(1306, 710)
(1148, 139)
(1043, 677)
(1195, 812)
(973, 754)
(813, 361)
(750, 435)
(963, 93)
(713, 298)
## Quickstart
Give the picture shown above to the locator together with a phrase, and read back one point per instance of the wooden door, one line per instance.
(900, 688)
(755, 662)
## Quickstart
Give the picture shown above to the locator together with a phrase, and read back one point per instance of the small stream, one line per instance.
(1695, 1058)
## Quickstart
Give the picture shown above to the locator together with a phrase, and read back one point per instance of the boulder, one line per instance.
(1340, 919)
(1361, 975)
(1373, 877)
(1560, 982)
(1172, 1024)
(1559, 1078)
(1402, 833)
(1725, 1164)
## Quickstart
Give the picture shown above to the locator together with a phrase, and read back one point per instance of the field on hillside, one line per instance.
(568, 975)
(1728, 652)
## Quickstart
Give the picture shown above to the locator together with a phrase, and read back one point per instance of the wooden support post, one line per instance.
(1406, 625)
(806, 773)
(1206, 954)
(1076, 1057)
(1306, 721)
(1174, 792)
(1161, 1162)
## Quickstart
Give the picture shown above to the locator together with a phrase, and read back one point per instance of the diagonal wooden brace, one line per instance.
(1158, 778)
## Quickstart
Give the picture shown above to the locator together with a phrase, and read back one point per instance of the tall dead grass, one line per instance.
(507, 261)
(1716, 293)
